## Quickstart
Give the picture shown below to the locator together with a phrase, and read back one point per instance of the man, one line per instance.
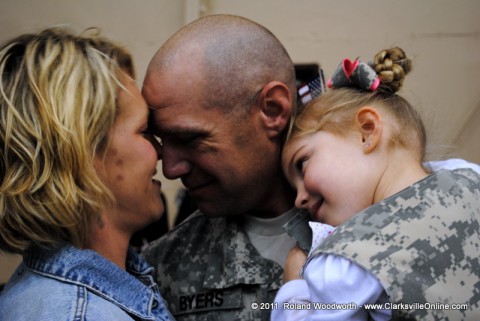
(222, 90)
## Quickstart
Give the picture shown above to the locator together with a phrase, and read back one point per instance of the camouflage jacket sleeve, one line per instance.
(207, 269)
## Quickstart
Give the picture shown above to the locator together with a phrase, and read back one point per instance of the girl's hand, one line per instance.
(295, 259)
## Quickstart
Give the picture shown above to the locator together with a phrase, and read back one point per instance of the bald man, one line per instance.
(223, 92)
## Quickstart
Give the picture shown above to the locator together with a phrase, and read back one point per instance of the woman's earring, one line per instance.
(367, 146)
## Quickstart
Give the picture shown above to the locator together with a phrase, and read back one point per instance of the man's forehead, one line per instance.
(152, 92)
(166, 87)
(161, 101)
(180, 120)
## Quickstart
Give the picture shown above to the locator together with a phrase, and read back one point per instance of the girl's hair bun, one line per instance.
(392, 65)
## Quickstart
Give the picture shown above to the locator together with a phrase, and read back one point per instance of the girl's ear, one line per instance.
(370, 125)
(275, 104)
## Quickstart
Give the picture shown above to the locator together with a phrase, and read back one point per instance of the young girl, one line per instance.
(389, 231)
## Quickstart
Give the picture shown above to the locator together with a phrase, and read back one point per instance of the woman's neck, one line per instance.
(111, 244)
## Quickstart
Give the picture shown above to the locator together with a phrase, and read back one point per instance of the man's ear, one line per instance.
(370, 125)
(275, 104)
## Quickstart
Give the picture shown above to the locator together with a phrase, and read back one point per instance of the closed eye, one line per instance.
(146, 132)
(191, 139)
(300, 164)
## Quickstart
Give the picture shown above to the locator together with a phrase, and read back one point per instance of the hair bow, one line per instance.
(354, 74)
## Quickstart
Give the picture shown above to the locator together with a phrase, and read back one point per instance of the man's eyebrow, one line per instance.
(180, 131)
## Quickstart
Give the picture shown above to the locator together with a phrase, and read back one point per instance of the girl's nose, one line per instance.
(301, 201)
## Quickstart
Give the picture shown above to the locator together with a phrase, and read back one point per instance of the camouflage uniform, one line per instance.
(207, 269)
(423, 245)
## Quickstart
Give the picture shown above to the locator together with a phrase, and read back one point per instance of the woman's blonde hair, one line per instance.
(58, 96)
(335, 110)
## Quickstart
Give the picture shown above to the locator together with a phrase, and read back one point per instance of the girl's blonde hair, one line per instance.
(58, 96)
(335, 110)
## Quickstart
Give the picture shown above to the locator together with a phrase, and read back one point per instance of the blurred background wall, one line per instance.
(442, 37)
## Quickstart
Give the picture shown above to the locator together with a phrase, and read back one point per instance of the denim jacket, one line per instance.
(71, 284)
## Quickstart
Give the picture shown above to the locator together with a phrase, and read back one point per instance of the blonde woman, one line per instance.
(76, 172)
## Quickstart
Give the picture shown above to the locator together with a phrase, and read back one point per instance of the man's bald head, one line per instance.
(234, 55)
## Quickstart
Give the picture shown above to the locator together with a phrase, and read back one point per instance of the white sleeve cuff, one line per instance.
(453, 163)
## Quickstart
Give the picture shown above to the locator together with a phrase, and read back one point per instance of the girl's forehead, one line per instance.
(290, 148)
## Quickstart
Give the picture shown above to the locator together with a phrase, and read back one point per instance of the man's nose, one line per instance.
(174, 163)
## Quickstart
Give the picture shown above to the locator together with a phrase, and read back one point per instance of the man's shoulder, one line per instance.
(197, 231)
(195, 223)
